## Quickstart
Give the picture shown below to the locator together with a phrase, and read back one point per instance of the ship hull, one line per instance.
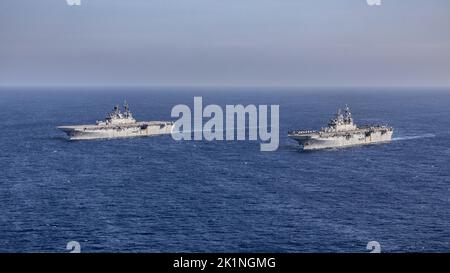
(318, 142)
(141, 129)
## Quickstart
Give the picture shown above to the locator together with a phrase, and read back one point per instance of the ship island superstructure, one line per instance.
(342, 132)
(117, 124)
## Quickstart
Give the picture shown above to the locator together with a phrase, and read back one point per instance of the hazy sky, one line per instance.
(225, 42)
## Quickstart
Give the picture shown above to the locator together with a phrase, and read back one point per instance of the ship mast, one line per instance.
(127, 109)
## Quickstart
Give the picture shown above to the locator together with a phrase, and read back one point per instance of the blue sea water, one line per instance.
(155, 194)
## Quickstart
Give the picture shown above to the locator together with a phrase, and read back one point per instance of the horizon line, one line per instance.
(221, 86)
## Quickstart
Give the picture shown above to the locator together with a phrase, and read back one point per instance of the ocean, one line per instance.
(155, 194)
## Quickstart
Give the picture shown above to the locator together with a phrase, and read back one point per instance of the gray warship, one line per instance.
(117, 124)
(342, 132)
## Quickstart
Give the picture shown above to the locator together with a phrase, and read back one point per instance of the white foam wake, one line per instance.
(413, 137)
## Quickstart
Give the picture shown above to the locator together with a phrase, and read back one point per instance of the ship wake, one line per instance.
(413, 137)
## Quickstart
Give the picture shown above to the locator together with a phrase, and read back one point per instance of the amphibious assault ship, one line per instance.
(117, 124)
(342, 132)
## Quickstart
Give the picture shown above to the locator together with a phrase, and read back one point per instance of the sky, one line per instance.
(225, 43)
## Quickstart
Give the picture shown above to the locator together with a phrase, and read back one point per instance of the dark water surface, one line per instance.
(158, 195)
